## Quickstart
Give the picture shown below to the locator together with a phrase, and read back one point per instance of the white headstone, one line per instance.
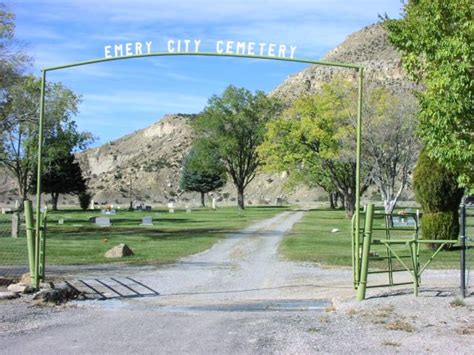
(171, 207)
(6, 210)
(188, 209)
(214, 203)
(103, 221)
(147, 221)
(17, 204)
(92, 205)
(15, 225)
(60, 221)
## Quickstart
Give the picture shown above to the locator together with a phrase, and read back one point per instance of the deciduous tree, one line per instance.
(234, 125)
(435, 39)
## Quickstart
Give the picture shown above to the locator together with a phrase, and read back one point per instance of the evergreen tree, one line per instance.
(203, 171)
(62, 176)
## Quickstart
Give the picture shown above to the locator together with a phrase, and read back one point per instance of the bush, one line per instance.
(436, 189)
(85, 199)
(440, 225)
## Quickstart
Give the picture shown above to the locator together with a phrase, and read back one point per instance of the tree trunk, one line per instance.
(240, 198)
(203, 204)
(55, 197)
(331, 201)
(341, 198)
(349, 204)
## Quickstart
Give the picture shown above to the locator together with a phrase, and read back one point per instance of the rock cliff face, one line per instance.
(151, 158)
(369, 47)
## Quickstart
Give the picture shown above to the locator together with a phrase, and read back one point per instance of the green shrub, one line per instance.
(440, 225)
(85, 199)
(436, 189)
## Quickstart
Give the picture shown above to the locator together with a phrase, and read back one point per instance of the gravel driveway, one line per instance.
(240, 297)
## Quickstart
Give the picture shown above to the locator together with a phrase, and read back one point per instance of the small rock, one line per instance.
(20, 288)
(119, 251)
(46, 285)
(335, 230)
(8, 295)
(25, 279)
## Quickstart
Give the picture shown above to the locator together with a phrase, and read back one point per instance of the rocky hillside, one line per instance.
(369, 47)
(151, 158)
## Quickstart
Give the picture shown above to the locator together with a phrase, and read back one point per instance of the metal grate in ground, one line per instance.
(112, 288)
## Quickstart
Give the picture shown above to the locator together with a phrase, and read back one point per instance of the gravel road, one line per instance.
(239, 297)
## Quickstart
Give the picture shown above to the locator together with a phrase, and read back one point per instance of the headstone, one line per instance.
(188, 209)
(6, 210)
(17, 204)
(92, 205)
(335, 230)
(15, 225)
(214, 203)
(278, 201)
(148, 208)
(171, 207)
(60, 221)
(103, 221)
(403, 221)
(119, 251)
(147, 221)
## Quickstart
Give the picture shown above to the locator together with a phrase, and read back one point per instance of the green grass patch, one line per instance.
(173, 235)
(311, 240)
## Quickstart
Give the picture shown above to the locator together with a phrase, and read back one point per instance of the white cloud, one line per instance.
(145, 101)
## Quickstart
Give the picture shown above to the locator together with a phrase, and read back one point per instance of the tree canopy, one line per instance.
(314, 140)
(234, 125)
(63, 175)
(19, 128)
(435, 38)
(203, 171)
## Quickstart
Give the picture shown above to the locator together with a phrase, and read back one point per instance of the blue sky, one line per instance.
(123, 96)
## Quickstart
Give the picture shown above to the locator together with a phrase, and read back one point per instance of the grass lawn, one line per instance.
(172, 236)
(311, 240)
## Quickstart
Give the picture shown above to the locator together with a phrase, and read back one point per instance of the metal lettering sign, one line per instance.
(194, 46)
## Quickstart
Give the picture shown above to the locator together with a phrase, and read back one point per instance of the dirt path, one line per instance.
(241, 297)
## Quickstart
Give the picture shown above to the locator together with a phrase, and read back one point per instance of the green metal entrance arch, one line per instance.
(360, 71)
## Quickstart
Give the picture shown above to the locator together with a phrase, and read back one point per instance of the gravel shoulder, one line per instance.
(240, 297)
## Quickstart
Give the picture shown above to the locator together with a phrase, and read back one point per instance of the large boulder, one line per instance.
(119, 251)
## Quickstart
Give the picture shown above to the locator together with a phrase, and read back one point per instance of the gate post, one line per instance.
(30, 237)
(462, 231)
(365, 252)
